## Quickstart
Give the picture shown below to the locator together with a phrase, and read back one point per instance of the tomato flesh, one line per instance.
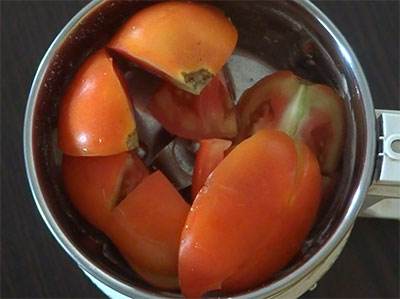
(211, 152)
(146, 229)
(95, 185)
(208, 115)
(96, 116)
(185, 42)
(311, 112)
(251, 217)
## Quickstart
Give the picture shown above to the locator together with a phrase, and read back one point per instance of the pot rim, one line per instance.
(274, 288)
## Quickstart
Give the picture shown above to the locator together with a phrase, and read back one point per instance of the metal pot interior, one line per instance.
(283, 35)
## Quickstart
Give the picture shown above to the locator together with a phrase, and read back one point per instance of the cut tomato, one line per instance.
(96, 184)
(146, 229)
(185, 42)
(96, 115)
(252, 216)
(208, 115)
(311, 112)
(209, 155)
(323, 126)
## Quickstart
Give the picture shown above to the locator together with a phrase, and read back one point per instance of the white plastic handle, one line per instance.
(383, 198)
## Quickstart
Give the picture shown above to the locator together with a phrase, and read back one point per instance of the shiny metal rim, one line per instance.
(274, 288)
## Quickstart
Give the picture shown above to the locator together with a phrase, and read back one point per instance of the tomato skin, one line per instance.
(211, 152)
(208, 115)
(311, 112)
(146, 229)
(95, 184)
(96, 116)
(252, 216)
(186, 43)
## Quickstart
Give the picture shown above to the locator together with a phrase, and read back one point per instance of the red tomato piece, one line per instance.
(146, 229)
(185, 42)
(96, 184)
(208, 115)
(211, 152)
(323, 127)
(252, 216)
(96, 116)
(311, 112)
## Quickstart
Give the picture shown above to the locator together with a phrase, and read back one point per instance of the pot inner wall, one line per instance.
(274, 34)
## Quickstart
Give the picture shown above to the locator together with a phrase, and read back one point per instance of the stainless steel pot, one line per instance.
(283, 35)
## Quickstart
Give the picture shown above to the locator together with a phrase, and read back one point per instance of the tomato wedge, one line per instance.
(146, 229)
(96, 184)
(252, 216)
(185, 42)
(96, 116)
(311, 112)
(211, 152)
(208, 115)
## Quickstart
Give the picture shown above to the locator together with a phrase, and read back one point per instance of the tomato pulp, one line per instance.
(251, 217)
(311, 112)
(208, 115)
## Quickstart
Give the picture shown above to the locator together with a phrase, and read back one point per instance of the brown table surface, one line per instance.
(34, 265)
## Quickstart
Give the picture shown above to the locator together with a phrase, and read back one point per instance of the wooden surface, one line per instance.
(34, 265)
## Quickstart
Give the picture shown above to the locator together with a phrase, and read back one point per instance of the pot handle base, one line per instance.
(383, 197)
(388, 208)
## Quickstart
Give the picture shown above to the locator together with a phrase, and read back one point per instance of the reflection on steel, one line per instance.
(152, 136)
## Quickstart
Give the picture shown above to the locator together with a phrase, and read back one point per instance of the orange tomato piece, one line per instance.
(323, 127)
(146, 229)
(96, 116)
(251, 217)
(185, 42)
(263, 105)
(211, 114)
(305, 110)
(96, 184)
(211, 152)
